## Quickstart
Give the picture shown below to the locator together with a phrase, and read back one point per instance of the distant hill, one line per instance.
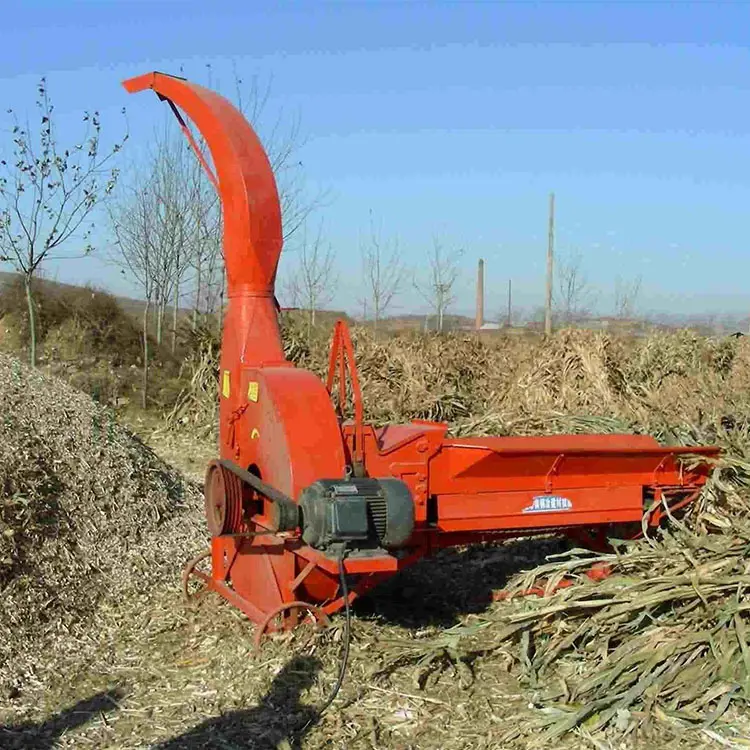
(708, 324)
(135, 307)
(128, 304)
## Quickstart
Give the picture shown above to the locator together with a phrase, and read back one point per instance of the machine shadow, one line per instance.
(279, 716)
(44, 736)
(439, 590)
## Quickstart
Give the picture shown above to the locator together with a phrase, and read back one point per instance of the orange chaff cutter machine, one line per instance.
(301, 496)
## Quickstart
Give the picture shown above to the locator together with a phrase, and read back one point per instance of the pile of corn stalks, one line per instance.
(663, 640)
(666, 638)
(196, 407)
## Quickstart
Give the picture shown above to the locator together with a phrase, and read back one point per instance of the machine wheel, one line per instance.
(320, 618)
(190, 572)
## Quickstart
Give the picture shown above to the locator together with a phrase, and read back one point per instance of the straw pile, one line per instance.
(83, 503)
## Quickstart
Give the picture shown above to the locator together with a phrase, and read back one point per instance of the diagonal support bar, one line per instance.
(342, 358)
(194, 145)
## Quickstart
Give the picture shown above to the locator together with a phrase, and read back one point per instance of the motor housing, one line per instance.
(360, 512)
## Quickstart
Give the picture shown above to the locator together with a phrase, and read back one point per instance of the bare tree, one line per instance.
(438, 289)
(383, 273)
(184, 253)
(290, 290)
(49, 194)
(575, 296)
(314, 282)
(163, 183)
(206, 260)
(132, 221)
(175, 193)
(626, 296)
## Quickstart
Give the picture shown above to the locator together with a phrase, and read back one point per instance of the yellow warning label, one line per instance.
(252, 391)
(225, 389)
(254, 435)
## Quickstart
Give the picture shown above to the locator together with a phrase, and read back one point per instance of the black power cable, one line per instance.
(347, 640)
(345, 649)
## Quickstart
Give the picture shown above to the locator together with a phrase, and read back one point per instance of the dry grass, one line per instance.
(655, 655)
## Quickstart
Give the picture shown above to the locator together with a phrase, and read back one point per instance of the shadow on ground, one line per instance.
(44, 735)
(440, 590)
(279, 716)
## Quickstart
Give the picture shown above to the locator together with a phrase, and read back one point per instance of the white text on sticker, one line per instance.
(548, 504)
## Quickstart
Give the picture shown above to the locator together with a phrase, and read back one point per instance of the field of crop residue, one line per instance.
(97, 648)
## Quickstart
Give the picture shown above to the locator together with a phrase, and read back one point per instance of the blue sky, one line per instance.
(456, 120)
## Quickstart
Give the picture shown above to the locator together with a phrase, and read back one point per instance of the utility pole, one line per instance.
(550, 264)
(510, 298)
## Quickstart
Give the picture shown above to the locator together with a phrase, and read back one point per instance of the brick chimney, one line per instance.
(480, 295)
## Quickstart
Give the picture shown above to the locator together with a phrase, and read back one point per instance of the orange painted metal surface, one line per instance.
(280, 423)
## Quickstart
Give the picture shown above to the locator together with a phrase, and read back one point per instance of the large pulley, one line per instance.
(225, 494)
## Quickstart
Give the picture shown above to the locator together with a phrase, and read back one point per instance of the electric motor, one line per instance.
(361, 512)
